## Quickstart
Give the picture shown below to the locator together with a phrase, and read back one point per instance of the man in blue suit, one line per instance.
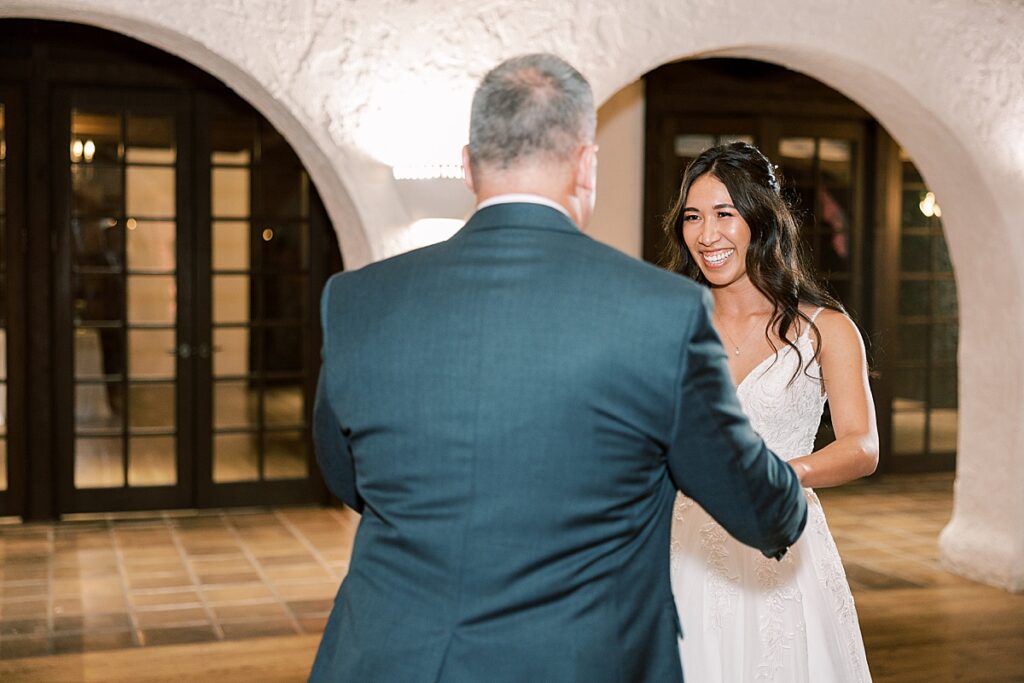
(512, 412)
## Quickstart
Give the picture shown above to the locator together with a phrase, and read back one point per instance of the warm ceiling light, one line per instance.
(76, 150)
(89, 150)
(131, 223)
(268, 235)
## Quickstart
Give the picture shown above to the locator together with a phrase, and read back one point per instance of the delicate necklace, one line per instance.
(729, 336)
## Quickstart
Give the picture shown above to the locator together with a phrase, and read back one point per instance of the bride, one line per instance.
(790, 348)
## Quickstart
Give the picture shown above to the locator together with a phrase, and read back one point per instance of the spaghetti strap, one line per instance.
(814, 316)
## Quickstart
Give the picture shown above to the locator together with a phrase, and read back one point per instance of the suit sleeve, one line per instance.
(333, 450)
(716, 458)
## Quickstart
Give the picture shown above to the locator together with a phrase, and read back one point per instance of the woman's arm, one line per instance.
(854, 453)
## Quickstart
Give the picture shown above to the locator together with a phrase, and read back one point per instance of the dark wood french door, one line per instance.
(12, 239)
(159, 344)
(124, 293)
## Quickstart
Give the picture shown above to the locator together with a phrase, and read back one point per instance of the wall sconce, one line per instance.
(82, 150)
(929, 207)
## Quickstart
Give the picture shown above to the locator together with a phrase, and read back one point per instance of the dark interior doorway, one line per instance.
(872, 228)
(163, 250)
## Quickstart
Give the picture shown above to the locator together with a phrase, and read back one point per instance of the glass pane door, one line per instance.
(823, 173)
(260, 305)
(121, 305)
(3, 301)
(12, 317)
(924, 404)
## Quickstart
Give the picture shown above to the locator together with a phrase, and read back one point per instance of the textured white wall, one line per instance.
(356, 85)
(619, 214)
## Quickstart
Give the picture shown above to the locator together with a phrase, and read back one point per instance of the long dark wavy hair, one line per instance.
(776, 262)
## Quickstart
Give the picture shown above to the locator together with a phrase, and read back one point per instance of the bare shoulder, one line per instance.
(840, 336)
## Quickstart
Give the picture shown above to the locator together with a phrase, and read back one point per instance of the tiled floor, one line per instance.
(887, 530)
(188, 578)
(172, 578)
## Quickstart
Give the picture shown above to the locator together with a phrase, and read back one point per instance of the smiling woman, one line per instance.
(715, 232)
(732, 231)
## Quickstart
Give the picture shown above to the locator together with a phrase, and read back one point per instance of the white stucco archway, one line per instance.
(355, 85)
(327, 174)
(983, 540)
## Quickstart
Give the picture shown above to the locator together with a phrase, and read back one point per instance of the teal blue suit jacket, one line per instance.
(512, 412)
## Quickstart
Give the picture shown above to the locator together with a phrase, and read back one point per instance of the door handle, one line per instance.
(204, 350)
(183, 351)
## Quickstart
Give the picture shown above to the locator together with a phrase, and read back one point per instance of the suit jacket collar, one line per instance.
(522, 215)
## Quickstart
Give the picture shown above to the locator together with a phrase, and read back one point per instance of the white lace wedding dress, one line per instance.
(749, 618)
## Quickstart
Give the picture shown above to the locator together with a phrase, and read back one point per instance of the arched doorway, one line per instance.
(162, 273)
(870, 224)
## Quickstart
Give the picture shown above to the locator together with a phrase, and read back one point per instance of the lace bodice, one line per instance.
(785, 415)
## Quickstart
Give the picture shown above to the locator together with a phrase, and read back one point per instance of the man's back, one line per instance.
(509, 398)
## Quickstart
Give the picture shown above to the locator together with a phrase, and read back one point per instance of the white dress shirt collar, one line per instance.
(522, 198)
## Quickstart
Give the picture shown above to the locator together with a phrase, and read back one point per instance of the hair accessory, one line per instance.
(773, 180)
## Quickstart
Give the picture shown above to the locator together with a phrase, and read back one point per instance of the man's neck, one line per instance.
(529, 195)
(523, 197)
(539, 180)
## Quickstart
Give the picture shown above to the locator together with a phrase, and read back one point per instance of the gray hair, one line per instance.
(529, 107)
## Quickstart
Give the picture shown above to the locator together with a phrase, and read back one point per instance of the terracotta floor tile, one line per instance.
(90, 571)
(228, 578)
(263, 551)
(343, 556)
(260, 520)
(23, 627)
(313, 624)
(67, 606)
(308, 591)
(161, 618)
(103, 603)
(295, 572)
(92, 642)
(167, 580)
(21, 609)
(92, 622)
(99, 584)
(249, 612)
(136, 538)
(257, 629)
(35, 646)
(142, 557)
(197, 522)
(212, 549)
(277, 560)
(234, 563)
(237, 593)
(151, 598)
(24, 572)
(310, 607)
(178, 635)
